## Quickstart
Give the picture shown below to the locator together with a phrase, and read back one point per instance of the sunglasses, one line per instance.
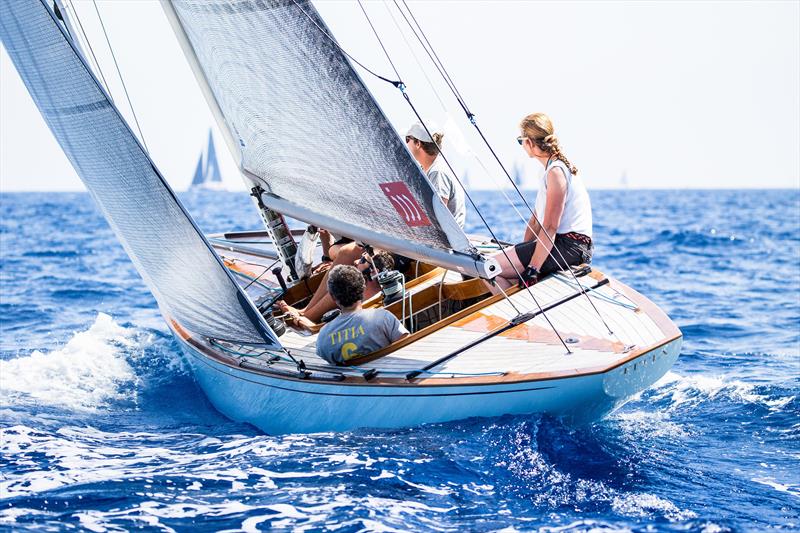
(521, 140)
(410, 138)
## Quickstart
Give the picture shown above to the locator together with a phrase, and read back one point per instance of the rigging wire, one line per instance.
(399, 77)
(416, 59)
(351, 368)
(330, 37)
(434, 58)
(525, 220)
(401, 86)
(471, 116)
(257, 278)
(422, 39)
(119, 73)
(94, 60)
(435, 93)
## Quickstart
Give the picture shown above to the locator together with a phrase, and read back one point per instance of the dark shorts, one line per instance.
(574, 252)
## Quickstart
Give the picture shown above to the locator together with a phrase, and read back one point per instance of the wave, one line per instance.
(683, 391)
(90, 372)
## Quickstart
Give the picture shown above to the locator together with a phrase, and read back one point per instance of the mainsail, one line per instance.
(188, 280)
(303, 126)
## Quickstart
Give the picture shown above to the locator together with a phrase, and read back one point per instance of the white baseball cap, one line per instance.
(417, 130)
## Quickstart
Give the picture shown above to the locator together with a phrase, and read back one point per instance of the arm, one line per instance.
(395, 330)
(326, 239)
(554, 208)
(441, 184)
(531, 229)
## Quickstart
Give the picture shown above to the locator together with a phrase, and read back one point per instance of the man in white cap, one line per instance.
(425, 150)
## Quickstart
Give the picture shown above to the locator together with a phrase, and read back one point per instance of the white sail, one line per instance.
(301, 124)
(191, 285)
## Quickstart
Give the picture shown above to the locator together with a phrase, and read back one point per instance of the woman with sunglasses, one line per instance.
(559, 234)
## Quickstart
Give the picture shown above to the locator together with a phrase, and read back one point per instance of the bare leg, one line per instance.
(508, 277)
(347, 255)
(326, 303)
(322, 306)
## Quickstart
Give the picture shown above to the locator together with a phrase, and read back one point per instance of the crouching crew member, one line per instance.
(356, 331)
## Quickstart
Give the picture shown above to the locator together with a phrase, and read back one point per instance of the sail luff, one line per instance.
(189, 281)
(205, 88)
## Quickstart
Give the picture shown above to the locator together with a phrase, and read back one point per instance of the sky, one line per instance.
(666, 94)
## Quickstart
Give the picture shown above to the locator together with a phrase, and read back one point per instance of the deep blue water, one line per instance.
(103, 428)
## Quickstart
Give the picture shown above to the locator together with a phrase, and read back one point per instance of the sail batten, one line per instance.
(191, 285)
(302, 124)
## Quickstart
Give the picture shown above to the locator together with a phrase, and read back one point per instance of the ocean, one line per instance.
(104, 429)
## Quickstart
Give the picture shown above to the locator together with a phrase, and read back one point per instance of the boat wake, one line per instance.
(90, 372)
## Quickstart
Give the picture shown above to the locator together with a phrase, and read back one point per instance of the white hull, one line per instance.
(278, 405)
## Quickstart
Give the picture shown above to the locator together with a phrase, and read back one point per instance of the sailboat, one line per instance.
(206, 173)
(623, 180)
(311, 143)
(517, 176)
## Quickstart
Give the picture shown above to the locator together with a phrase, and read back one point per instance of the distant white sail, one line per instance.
(207, 174)
(301, 124)
(517, 176)
(191, 285)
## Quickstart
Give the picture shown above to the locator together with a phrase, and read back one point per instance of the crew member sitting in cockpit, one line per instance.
(322, 302)
(356, 331)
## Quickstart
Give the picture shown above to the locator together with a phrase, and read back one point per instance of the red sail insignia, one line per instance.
(407, 207)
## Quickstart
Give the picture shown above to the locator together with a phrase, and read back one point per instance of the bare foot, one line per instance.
(294, 318)
(288, 309)
(302, 322)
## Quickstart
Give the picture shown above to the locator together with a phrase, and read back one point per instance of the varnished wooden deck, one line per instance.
(528, 351)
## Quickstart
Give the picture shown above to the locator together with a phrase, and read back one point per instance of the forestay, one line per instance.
(188, 280)
(302, 124)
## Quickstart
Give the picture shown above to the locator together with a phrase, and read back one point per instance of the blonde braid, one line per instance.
(550, 144)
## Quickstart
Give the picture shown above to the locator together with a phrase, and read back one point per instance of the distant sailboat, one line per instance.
(207, 174)
(517, 176)
(623, 180)
(465, 180)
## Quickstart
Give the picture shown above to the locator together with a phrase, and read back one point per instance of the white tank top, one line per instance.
(577, 215)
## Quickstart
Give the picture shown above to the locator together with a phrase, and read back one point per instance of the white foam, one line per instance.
(780, 487)
(645, 425)
(90, 372)
(644, 504)
(692, 389)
